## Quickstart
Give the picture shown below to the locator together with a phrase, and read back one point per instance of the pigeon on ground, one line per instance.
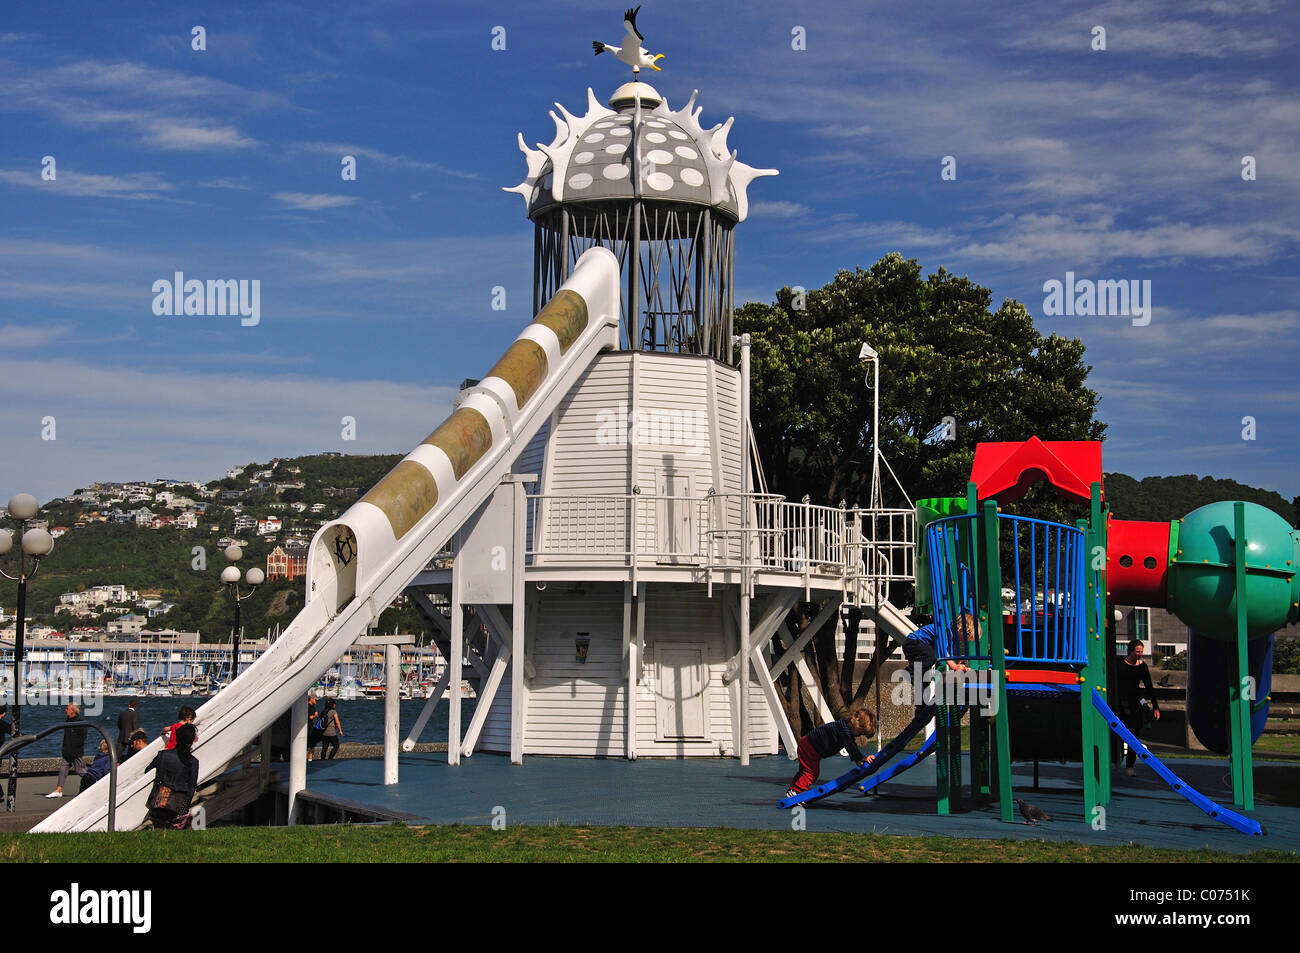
(1030, 813)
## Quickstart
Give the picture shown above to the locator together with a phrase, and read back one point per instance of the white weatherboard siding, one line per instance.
(581, 460)
(681, 619)
(496, 730)
(574, 708)
(578, 708)
(684, 439)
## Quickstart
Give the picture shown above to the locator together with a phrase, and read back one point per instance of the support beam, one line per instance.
(630, 662)
(454, 663)
(814, 693)
(297, 755)
(518, 621)
(427, 712)
(509, 639)
(773, 610)
(392, 710)
(771, 615)
(485, 698)
(442, 625)
(774, 703)
(1240, 698)
(744, 674)
(806, 636)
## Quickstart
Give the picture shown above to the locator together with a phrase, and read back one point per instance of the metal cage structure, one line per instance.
(1042, 600)
(678, 262)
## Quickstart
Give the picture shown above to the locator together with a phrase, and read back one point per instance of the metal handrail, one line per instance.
(782, 536)
(22, 741)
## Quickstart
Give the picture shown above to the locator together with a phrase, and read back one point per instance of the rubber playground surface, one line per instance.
(722, 793)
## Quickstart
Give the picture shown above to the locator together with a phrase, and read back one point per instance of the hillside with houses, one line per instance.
(143, 556)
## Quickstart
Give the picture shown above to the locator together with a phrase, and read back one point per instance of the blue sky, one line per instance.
(376, 293)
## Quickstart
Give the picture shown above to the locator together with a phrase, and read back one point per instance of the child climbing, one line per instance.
(921, 653)
(827, 740)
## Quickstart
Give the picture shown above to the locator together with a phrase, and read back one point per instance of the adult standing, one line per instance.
(128, 723)
(74, 750)
(332, 731)
(1136, 695)
(313, 733)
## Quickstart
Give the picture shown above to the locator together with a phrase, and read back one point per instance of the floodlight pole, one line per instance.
(869, 356)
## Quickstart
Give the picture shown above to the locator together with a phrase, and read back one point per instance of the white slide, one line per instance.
(362, 561)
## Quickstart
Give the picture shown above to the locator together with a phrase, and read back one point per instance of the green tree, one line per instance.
(955, 372)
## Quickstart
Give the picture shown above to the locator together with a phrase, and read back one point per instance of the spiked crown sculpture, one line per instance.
(660, 191)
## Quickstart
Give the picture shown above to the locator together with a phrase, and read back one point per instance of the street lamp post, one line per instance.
(230, 578)
(38, 544)
(869, 356)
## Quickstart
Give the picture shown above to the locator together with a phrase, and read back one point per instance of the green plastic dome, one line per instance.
(1202, 573)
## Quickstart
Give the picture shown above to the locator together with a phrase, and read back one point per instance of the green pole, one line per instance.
(980, 752)
(1240, 696)
(943, 806)
(1099, 660)
(997, 650)
(1094, 671)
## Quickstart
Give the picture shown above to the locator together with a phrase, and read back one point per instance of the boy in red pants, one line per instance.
(828, 740)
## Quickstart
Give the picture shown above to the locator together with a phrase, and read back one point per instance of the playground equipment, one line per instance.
(1040, 592)
(360, 562)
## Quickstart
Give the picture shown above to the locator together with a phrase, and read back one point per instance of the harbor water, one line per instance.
(362, 720)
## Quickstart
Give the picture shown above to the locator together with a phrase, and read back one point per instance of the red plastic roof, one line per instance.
(1007, 470)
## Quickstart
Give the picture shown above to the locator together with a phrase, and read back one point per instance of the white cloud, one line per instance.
(142, 185)
(142, 101)
(390, 160)
(778, 209)
(186, 136)
(312, 202)
(19, 337)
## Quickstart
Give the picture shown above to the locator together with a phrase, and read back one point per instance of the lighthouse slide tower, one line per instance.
(654, 579)
(595, 494)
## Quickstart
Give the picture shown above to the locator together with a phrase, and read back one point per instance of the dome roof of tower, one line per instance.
(592, 160)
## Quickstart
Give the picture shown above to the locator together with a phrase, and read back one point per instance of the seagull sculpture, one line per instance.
(631, 52)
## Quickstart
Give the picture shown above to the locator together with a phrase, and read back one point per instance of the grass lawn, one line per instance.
(1277, 744)
(396, 843)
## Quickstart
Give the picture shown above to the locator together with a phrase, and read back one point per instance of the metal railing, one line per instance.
(886, 552)
(13, 746)
(759, 532)
(1042, 576)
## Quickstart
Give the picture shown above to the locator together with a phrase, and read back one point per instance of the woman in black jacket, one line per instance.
(1136, 694)
(176, 783)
